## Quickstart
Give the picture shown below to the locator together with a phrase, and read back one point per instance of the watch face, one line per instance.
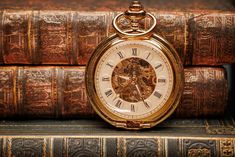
(133, 79)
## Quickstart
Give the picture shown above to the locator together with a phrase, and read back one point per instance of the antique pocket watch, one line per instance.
(134, 78)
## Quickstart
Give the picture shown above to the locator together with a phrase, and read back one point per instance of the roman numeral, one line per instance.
(110, 65)
(105, 78)
(146, 104)
(158, 66)
(157, 94)
(134, 51)
(108, 93)
(148, 56)
(161, 80)
(132, 108)
(118, 104)
(120, 55)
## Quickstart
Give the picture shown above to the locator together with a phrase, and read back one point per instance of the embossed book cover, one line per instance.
(172, 138)
(59, 92)
(55, 32)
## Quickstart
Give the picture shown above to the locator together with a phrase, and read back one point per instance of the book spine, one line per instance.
(48, 92)
(211, 38)
(59, 92)
(205, 93)
(70, 37)
(114, 146)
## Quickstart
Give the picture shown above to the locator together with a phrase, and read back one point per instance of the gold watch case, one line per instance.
(148, 37)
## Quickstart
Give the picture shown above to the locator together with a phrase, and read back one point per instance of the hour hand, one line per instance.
(124, 77)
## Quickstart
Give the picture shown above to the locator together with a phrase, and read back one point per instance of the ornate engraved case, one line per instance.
(134, 78)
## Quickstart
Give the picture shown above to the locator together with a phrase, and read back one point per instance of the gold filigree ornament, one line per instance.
(134, 78)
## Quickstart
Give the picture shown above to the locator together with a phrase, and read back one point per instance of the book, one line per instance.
(201, 87)
(175, 137)
(57, 33)
(59, 92)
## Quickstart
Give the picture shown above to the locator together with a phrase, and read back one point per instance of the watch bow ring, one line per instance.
(134, 15)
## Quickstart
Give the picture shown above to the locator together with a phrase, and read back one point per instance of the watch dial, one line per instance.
(134, 79)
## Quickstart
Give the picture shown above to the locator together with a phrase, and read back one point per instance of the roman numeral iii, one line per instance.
(105, 79)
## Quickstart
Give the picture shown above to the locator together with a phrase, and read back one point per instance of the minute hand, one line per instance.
(145, 103)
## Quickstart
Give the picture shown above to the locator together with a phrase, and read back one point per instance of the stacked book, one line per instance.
(44, 49)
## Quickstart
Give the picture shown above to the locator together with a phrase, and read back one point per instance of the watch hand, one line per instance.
(145, 103)
(137, 87)
(124, 77)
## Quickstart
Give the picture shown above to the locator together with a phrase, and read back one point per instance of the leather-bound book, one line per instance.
(94, 138)
(58, 32)
(59, 92)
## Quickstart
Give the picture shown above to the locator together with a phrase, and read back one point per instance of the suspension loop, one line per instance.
(134, 32)
(135, 14)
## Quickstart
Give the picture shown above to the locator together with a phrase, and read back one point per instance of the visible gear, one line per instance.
(131, 72)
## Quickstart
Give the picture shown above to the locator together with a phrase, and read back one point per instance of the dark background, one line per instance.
(231, 80)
